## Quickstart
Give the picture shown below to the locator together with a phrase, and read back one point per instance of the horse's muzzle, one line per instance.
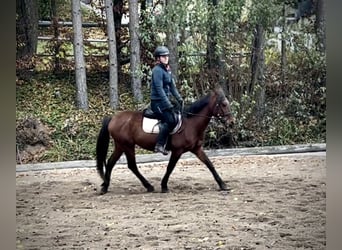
(231, 123)
(227, 119)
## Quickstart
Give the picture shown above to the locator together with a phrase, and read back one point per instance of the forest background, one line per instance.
(269, 56)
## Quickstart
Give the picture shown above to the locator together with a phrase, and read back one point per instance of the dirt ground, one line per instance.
(276, 202)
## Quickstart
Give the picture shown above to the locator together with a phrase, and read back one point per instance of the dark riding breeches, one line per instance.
(168, 123)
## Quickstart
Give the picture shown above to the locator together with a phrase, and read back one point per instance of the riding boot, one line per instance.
(162, 138)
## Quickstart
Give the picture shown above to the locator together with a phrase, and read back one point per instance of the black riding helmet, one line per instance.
(161, 51)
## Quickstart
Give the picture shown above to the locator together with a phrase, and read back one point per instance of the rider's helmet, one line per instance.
(161, 51)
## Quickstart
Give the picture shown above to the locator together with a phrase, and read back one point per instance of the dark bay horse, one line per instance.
(125, 128)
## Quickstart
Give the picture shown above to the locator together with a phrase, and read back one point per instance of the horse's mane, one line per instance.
(197, 106)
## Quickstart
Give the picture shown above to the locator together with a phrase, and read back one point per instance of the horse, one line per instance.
(125, 128)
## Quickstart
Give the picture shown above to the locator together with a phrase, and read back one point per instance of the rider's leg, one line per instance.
(162, 139)
(167, 124)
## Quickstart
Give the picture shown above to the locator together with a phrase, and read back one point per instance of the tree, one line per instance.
(171, 39)
(283, 46)
(120, 34)
(113, 61)
(257, 69)
(81, 82)
(263, 15)
(57, 42)
(212, 54)
(135, 50)
(26, 27)
(320, 25)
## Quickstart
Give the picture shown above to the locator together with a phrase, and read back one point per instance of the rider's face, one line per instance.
(164, 59)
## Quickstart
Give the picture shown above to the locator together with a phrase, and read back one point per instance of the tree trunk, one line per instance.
(212, 57)
(320, 25)
(283, 47)
(56, 43)
(171, 41)
(257, 65)
(135, 51)
(81, 83)
(257, 57)
(118, 11)
(173, 61)
(113, 61)
(27, 28)
(215, 58)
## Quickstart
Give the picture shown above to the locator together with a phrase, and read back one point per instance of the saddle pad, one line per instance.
(152, 126)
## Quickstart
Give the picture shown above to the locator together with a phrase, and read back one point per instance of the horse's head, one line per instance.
(222, 108)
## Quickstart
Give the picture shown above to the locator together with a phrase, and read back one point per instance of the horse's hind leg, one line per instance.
(109, 167)
(132, 165)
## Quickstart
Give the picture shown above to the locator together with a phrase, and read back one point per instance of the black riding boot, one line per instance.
(162, 138)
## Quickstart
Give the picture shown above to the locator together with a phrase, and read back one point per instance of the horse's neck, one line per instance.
(201, 120)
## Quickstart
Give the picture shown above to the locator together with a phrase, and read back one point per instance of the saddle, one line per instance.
(150, 123)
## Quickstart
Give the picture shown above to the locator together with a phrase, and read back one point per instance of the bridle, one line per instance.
(221, 113)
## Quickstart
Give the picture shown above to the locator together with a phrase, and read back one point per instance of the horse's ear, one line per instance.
(218, 89)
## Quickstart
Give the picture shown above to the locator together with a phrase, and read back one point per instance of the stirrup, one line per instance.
(160, 149)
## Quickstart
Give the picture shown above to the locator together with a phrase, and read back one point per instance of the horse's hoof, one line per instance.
(103, 191)
(165, 190)
(150, 189)
(225, 188)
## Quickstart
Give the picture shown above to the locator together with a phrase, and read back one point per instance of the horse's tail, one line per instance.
(102, 146)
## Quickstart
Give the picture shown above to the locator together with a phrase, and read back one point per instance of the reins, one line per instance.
(193, 114)
(206, 116)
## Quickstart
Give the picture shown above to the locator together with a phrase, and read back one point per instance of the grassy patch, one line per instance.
(51, 100)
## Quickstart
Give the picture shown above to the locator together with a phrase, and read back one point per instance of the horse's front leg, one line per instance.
(204, 158)
(172, 163)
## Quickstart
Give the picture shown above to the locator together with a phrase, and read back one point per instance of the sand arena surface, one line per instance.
(276, 202)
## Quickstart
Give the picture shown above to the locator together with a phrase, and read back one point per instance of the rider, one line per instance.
(162, 88)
